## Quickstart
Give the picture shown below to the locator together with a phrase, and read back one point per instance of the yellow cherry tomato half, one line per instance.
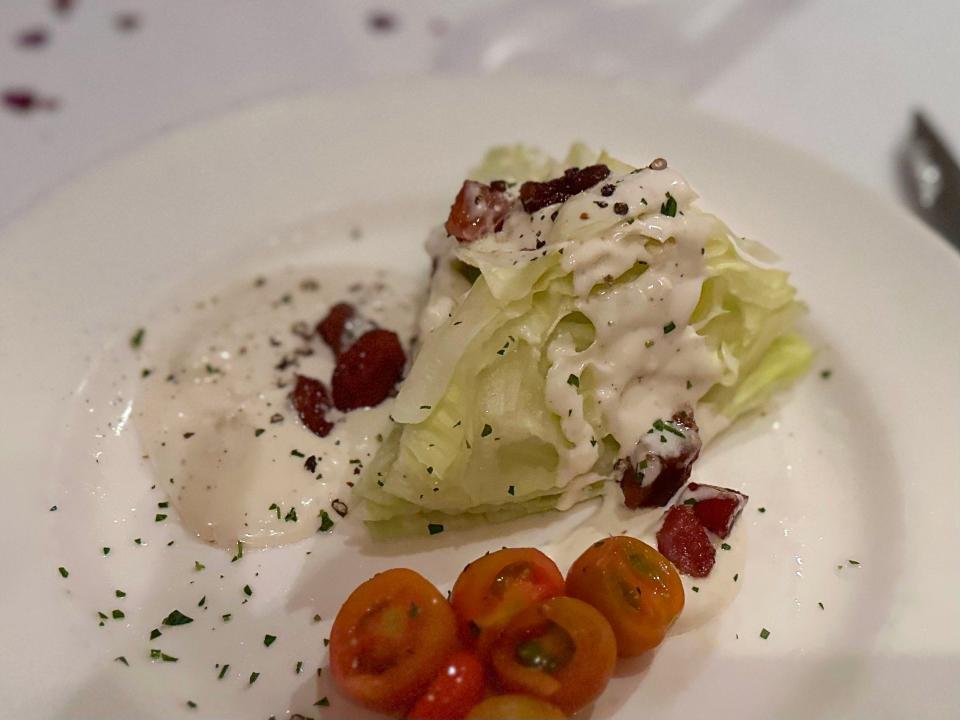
(560, 650)
(515, 707)
(390, 640)
(633, 586)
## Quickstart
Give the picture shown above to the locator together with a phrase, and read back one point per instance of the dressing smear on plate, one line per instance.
(215, 414)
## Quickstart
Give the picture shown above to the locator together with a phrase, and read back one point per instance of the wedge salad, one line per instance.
(587, 329)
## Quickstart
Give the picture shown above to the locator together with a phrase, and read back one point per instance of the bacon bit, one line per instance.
(126, 21)
(652, 477)
(24, 101)
(367, 373)
(381, 21)
(538, 195)
(478, 210)
(309, 398)
(332, 327)
(33, 38)
(342, 326)
(717, 508)
(684, 541)
(62, 7)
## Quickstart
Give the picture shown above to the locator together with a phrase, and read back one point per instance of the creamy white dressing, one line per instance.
(214, 415)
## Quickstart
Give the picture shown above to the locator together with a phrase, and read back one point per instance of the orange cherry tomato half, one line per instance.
(494, 588)
(390, 639)
(633, 586)
(457, 687)
(560, 650)
(515, 707)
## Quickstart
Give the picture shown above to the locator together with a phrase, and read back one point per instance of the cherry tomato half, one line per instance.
(457, 687)
(494, 588)
(560, 650)
(515, 707)
(390, 639)
(633, 586)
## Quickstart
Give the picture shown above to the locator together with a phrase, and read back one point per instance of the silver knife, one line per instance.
(931, 179)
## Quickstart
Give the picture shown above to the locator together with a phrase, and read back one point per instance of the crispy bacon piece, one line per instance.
(717, 508)
(478, 210)
(342, 326)
(684, 541)
(656, 470)
(367, 372)
(537, 195)
(309, 398)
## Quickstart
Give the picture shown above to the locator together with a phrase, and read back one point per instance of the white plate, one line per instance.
(861, 466)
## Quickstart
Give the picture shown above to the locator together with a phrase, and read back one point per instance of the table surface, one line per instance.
(837, 78)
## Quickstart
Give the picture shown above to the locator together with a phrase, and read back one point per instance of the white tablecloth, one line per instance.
(837, 78)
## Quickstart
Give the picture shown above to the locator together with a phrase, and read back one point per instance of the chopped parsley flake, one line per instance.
(177, 618)
(258, 432)
(512, 490)
(106, 551)
(434, 528)
(648, 344)
(191, 704)
(663, 426)
(821, 605)
(486, 430)
(429, 469)
(669, 327)
(323, 702)
(138, 541)
(160, 655)
(695, 588)
(669, 208)
(198, 566)
(764, 634)
(247, 591)
(136, 340)
(160, 517)
(853, 562)
(297, 453)
(761, 509)
(226, 617)
(63, 572)
(223, 671)
(268, 640)
(325, 522)
(291, 515)
(725, 546)
(253, 677)
(155, 633)
(425, 407)
(825, 374)
(121, 659)
(117, 614)
(317, 618)
(119, 593)
(299, 668)
(736, 577)
(573, 380)
(239, 552)
(689, 384)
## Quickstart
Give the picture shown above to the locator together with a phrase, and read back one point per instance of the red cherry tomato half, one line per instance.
(390, 639)
(458, 687)
(633, 586)
(494, 588)
(560, 650)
